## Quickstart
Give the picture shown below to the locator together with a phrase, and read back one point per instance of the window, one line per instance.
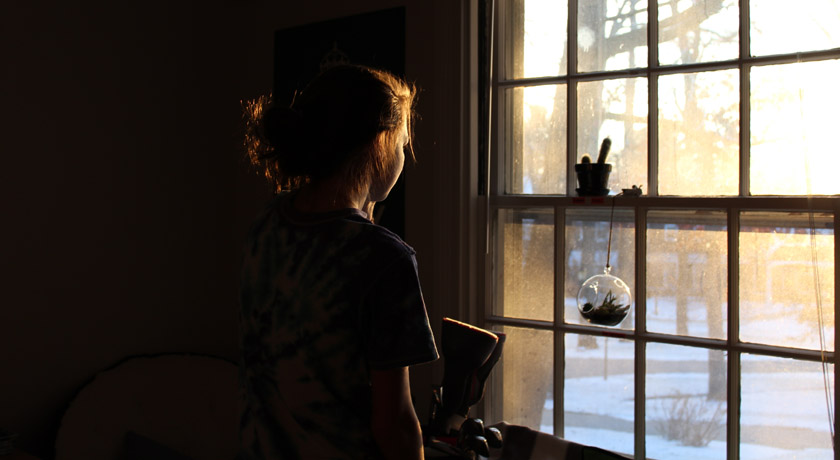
(724, 113)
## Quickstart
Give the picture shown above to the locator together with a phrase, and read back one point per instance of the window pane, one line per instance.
(698, 133)
(537, 38)
(536, 140)
(777, 27)
(686, 273)
(685, 402)
(598, 401)
(697, 31)
(783, 409)
(525, 264)
(587, 231)
(782, 266)
(616, 109)
(612, 35)
(793, 124)
(522, 384)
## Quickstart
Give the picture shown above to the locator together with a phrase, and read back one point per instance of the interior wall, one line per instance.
(126, 198)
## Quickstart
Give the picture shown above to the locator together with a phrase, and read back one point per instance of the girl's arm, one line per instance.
(393, 421)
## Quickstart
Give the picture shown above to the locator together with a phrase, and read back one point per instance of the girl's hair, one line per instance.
(347, 122)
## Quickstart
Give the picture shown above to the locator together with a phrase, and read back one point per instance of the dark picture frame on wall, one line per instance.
(375, 39)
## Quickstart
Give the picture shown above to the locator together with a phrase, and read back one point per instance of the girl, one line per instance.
(331, 309)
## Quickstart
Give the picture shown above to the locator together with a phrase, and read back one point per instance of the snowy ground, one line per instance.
(784, 408)
(783, 402)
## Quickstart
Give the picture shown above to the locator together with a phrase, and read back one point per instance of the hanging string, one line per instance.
(818, 293)
(609, 239)
(815, 261)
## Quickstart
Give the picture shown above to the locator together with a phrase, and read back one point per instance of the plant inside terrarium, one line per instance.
(608, 313)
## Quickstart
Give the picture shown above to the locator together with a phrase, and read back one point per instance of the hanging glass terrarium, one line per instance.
(604, 299)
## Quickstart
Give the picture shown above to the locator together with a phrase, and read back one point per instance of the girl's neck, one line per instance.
(328, 195)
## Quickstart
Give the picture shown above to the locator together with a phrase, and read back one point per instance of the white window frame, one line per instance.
(733, 206)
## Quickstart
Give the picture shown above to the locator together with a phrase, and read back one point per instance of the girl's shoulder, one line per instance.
(345, 228)
(390, 239)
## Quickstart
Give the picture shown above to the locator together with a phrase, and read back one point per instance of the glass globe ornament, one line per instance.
(604, 299)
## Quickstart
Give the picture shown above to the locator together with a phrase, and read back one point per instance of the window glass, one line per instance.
(525, 264)
(537, 38)
(598, 399)
(525, 376)
(536, 140)
(776, 27)
(587, 232)
(729, 128)
(697, 31)
(783, 265)
(698, 133)
(793, 126)
(686, 276)
(617, 109)
(685, 402)
(783, 408)
(612, 35)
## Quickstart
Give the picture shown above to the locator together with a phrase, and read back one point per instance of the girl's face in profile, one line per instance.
(380, 191)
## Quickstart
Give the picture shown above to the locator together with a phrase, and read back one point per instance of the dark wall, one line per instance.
(124, 195)
(118, 177)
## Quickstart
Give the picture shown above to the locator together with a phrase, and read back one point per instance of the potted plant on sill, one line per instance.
(593, 178)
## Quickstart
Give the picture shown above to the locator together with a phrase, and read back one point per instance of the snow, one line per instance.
(783, 402)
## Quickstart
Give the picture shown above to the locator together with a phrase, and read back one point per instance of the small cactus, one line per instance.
(605, 150)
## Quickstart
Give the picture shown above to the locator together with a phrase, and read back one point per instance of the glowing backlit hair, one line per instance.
(345, 124)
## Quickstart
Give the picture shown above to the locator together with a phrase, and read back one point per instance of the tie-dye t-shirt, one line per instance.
(325, 298)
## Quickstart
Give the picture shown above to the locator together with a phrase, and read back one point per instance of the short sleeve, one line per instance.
(399, 333)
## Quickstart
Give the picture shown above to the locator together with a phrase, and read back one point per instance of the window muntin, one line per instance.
(730, 97)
